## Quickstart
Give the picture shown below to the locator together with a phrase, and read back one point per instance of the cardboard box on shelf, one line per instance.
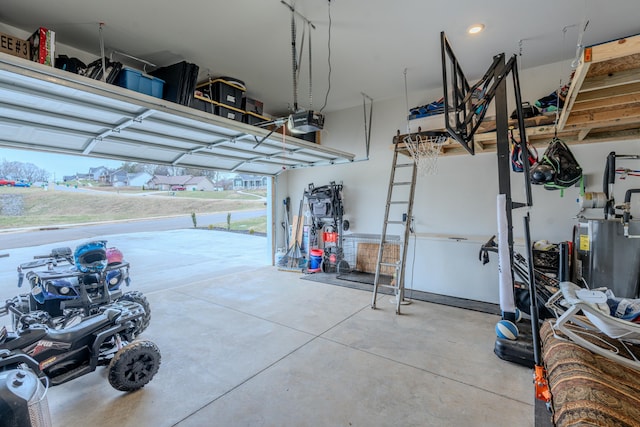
(42, 44)
(14, 46)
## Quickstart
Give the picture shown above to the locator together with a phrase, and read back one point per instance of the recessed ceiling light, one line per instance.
(475, 29)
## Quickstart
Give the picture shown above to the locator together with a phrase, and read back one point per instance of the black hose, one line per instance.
(611, 167)
(609, 177)
(563, 268)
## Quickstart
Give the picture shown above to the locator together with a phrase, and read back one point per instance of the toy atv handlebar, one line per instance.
(56, 255)
(10, 307)
(62, 254)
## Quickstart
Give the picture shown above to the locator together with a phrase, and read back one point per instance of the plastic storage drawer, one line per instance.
(227, 93)
(228, 113)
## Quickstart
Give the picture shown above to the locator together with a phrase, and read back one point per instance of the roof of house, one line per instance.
(197, 179)
(135, 175)
(170, 180)
(98, 169)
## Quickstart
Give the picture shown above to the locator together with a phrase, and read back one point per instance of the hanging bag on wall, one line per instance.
(558, 168)
(517, 157)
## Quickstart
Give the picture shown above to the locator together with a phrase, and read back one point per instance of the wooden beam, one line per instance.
(609, 80)
(606, 93)
(612, 102)
(583, 134)
(602, 118)
(540, 137)
(596, 136)
(480, 145)
(615, 49)
(574, 89)
(453, 150)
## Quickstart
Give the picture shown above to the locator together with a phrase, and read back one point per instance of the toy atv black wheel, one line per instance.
(134, 365)
(140, 298)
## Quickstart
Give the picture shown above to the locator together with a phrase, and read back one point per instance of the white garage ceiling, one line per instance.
(372, 41)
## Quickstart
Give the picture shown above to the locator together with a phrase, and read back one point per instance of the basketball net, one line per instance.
(425, 151)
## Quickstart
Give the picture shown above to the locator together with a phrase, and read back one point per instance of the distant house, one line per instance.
(140, 179)
(165, 182)
(249, 182)
(99, 174)
(189, 182)
(200, 183)
(68, 178)
(119, 178)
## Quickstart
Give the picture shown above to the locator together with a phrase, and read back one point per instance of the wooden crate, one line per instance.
(367, 256)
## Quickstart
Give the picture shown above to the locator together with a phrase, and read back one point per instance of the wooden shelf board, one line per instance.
(605, 89)
(614, 100)
(611, 79)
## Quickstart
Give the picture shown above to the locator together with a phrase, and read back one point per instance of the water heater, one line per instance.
(605, 257)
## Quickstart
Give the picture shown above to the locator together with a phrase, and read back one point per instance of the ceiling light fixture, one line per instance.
(475, 29)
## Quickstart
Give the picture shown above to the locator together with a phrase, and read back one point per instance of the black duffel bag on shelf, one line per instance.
(111, 70)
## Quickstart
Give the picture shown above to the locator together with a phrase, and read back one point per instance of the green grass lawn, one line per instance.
(29, 207)
(216, 195)
(251, 225)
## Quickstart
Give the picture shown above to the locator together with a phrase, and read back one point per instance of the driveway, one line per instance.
(20, 238)
(159, 260)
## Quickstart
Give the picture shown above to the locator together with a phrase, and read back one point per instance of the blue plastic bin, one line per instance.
(136, 80)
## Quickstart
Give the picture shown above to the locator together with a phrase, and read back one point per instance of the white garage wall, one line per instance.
(460, 200)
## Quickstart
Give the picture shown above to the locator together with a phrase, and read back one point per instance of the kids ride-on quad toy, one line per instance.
(60, 355)
(71, 285)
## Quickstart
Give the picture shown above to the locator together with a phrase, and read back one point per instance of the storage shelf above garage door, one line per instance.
(46, 109)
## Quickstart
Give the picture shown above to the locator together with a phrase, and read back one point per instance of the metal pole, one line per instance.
(504, 157)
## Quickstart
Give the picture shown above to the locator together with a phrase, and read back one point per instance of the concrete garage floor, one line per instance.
(244, 344)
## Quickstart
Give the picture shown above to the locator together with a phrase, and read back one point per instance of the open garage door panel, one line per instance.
(46, 109)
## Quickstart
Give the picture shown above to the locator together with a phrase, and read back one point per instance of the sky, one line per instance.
(58, 164)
